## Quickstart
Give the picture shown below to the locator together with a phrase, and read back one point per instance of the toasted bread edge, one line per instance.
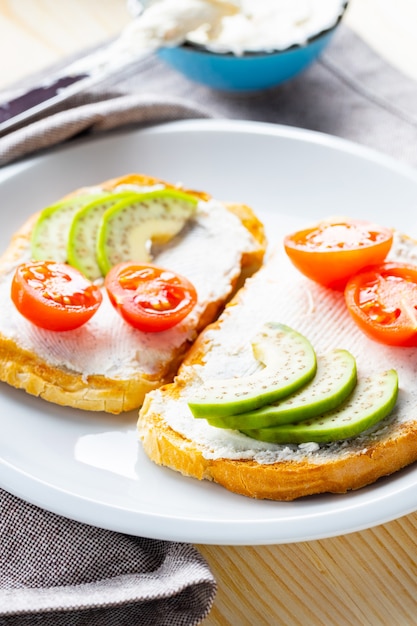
(24, 370)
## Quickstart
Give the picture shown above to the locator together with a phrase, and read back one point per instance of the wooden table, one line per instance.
(364, 578)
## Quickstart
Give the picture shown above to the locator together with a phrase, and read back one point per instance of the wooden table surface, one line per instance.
(364, 578)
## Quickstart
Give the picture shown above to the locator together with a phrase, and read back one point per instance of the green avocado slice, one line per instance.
(373, 399)
(82, 235)
(290, 362)
(50, 233)
(334, 381)
(129, 227)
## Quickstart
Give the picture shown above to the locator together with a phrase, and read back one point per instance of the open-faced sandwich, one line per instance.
(103, 292)
(306, 383)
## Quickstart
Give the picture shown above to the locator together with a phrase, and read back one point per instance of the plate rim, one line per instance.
(16, 480)
(208, 125)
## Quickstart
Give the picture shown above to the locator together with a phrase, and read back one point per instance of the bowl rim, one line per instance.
(203, 49)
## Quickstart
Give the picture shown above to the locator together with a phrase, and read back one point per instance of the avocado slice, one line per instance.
(290, 362)
(50, 233)
(373, 399)
(82, 235)
(334, 381)
(129, 227)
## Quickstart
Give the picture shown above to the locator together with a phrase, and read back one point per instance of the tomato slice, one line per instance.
(332, 251)
(54, 295)
(383, 302)
(150, 298)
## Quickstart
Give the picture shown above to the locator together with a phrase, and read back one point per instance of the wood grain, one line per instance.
(42, 32)
(389, 27)
(366, 578)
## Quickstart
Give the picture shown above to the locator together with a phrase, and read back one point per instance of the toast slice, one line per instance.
(107, 365)
(171, 436)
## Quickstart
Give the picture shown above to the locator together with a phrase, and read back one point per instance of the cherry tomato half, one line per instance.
(150, 298)
(383, 302)
(54, 295)
(332, 251)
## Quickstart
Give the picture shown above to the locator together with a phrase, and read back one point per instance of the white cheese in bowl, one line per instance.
(266, 25)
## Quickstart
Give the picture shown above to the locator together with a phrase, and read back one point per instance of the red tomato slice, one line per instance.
(332, 251)
(383, 302)
(54, 295)
(150, 298)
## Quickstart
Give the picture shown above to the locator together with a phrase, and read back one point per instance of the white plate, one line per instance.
(90, 467)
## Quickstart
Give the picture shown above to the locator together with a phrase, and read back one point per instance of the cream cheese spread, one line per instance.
(163, 23)
(107, 345)
(235, 26)
(264, 25)
(278, 292)
(168, 22)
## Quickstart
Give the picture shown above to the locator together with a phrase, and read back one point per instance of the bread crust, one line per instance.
(298, 475)
(283, 481)
(25, 370)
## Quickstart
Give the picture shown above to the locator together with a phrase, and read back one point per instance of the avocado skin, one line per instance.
(333, 383)
(355, 415)
(290, 363)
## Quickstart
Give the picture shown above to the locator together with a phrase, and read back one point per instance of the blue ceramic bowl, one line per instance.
(250, 71)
